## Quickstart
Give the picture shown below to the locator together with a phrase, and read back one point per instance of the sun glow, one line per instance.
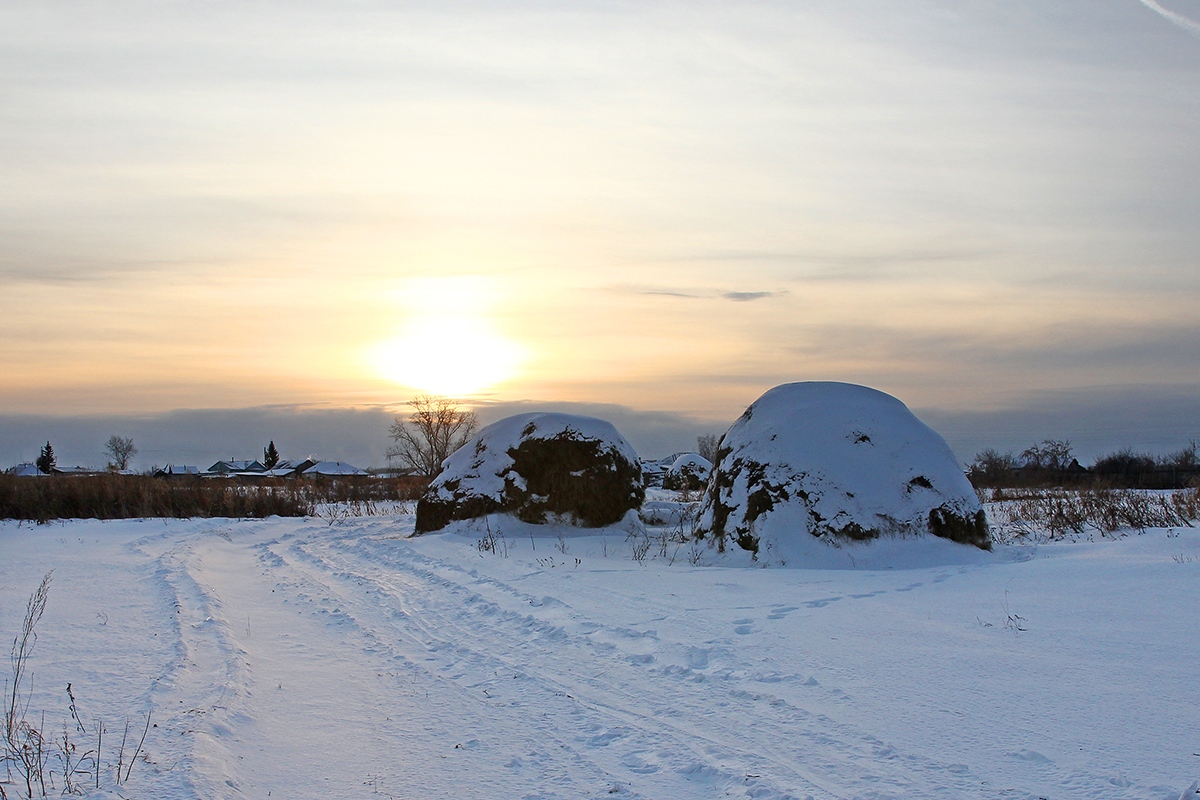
(448, 345)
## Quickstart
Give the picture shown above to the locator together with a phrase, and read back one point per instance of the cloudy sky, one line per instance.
(264, 212)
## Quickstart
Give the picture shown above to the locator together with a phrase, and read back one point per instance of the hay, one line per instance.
(564, 476)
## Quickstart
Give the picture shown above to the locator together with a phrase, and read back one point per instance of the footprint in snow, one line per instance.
(697, 657)
(634, 762)
(1032, 756)
(607, 737)
(743, 626)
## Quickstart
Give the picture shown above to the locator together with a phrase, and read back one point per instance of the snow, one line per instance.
(830, 458)
(301, 659)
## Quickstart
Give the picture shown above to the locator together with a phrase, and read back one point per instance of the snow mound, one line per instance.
(840, 463)
(539, 467)
(689, 471)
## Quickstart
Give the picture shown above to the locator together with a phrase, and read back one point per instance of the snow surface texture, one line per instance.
(288, 658)
(840, 462)
(539, 467)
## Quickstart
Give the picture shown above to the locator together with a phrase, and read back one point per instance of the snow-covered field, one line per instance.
(293, 658)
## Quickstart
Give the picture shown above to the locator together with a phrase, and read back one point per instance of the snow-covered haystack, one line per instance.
(539, 467)
(833, 462)
(689, 471)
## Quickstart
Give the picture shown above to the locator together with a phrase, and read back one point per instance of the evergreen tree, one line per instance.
(46, 461)
(270, 456)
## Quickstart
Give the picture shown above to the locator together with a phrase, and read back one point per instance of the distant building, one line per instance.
(289, 469)
(76, 470)
(332, 468)
(173, 470)
(235, 467)
(25, 470)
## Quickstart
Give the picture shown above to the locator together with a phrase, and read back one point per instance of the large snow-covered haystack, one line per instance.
(836, 462)
(539, 467)
(689, 471)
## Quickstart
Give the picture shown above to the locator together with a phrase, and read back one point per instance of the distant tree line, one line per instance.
(121, 450)
(1052, 463)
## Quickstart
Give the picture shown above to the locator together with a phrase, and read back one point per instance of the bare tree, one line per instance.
(436, 428)
(1049, 454)
(706, 446)
(120, 449)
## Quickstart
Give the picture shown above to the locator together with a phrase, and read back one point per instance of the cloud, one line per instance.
(699, 294)
(253, 168)
(1157, 418)
(1035, 350)
(360, 436)
(1188, 24)
(666, 292)
(1096, 420)
(745, 297)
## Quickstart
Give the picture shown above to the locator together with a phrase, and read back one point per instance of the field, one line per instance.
(333, 657)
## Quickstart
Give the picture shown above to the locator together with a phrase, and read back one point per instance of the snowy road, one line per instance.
(289, 658)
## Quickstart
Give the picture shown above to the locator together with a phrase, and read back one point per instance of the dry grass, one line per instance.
(129, 496)
(1041, 515)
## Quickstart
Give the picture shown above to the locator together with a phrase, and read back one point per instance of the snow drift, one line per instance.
(833, 462)
(539, 467)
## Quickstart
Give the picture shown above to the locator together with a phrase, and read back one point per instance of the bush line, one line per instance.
(135, 496)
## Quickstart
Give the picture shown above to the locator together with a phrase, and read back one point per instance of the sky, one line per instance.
(227, 221)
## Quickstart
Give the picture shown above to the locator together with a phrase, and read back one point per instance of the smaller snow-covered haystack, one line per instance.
(838, 462)
(538, 467)
(689, 471)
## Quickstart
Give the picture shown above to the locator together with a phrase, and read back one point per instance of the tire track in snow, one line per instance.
(610, 719)
(350, 605)
(200, 700)
(480, 638)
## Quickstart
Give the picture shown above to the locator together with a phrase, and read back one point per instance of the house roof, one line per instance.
(334, 468)
(177, 469)
(237, 466)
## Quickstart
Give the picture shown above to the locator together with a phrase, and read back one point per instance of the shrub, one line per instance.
(1047, 515)
(1124, 463)
(993, 468)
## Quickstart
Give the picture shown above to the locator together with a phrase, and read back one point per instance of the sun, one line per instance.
(447, 345)
(455, 358)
